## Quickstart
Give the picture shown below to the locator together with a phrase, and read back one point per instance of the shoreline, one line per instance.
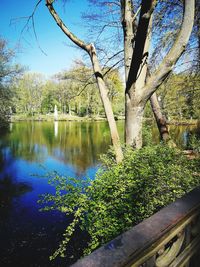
(63, 117)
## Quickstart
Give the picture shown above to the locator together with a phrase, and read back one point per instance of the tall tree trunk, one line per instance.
(133, 123)
(135, 81)
(90, 49)
(197, 6)
(133, 110)
(129, 27)
(160, 119)
(107, 105)
(138, 90)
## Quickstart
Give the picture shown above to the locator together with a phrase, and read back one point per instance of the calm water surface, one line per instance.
(27, 153)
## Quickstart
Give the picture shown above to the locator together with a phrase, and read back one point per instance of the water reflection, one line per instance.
(11, 125)
(72, 148)
(78, 144)
(55, 128)
(180, 134)
(10, 188)
(27, 237)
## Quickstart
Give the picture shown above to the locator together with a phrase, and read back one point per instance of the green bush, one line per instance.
(194, 142)
(122, 195)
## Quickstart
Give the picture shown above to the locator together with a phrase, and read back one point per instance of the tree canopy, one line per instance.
(8, 71)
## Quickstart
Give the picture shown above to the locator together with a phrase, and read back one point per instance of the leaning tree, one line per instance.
(137, 28)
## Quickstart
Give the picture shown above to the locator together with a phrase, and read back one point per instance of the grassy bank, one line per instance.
(61, 117)
(183, 122)
(50, 117)
(66, 117)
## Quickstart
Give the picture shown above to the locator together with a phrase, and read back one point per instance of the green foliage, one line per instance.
(147, 134)
(8, 71)
(5, 106)
(194, 143)
(121, 195)
(29, 94)
(180, 96)
(115, 91)
(74, 92)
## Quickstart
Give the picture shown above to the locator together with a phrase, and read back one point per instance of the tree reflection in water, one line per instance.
(78, 144)
(27, 236)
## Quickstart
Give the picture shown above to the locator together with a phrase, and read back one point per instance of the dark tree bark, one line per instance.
(160, 119)
(139, 89)
(198, 30)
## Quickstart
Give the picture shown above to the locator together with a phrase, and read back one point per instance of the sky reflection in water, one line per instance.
(27, 153)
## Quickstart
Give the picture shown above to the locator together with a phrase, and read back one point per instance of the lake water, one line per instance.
(27, 152)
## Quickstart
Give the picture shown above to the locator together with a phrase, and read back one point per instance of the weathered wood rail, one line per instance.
(171, 237)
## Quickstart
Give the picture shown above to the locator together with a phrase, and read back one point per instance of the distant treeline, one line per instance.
(75, 92)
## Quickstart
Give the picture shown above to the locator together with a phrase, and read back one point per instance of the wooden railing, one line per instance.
(171, 237)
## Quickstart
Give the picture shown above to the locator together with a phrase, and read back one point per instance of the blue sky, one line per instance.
(60, 54)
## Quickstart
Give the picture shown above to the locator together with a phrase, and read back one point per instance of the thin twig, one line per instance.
(26, 26)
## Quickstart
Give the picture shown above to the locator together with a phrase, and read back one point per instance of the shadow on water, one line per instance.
(9, 191)
(28, 238)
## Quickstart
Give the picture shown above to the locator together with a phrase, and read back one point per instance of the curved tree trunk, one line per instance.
(138, 88)
(160, 119)
(90, 49)
(107, 104)
(136, 71)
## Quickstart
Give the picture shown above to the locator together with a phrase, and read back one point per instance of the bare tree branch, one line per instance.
(110, 68)
(64, 28)
(90, 49)
(26, 26)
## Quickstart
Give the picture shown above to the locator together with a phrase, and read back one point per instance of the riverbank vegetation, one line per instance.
(121, 195)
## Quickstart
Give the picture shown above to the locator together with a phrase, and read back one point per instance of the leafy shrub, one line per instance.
(194, 142)
(147, 135)
(122, 195)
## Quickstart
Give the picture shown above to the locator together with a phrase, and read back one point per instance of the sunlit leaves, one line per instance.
(122, 195)
(8, 70)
